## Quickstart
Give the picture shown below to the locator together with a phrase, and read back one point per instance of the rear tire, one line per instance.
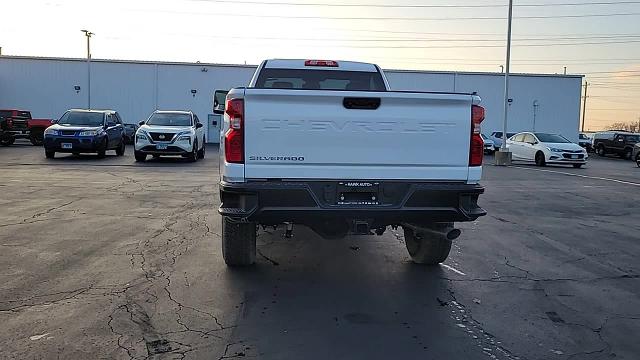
(50, 154)
(140, 156)
(601, 150)
(36, 137)
(627, 154)
(426, 248)
(540, 160)
(238, 242)
(577, 166)
(121, 149)
(638, 159)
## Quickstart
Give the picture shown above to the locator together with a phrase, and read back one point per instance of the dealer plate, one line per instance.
(66, 145)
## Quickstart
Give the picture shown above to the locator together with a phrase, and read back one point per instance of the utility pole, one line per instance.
(584, 103)
(503, 157)
(88, 34)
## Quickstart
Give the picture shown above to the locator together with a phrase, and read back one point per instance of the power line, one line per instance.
(421, 6)
(409, 39)
(464, 46)
(309, 17)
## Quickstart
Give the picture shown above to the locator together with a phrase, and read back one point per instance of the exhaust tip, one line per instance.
(454, 234)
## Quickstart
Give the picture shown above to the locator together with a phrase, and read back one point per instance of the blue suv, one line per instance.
(85, 131)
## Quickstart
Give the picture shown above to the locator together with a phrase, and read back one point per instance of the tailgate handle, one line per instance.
(361, 103)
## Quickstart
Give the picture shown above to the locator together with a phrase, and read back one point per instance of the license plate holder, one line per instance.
(358, 193)
(67, 145)
(161, 146)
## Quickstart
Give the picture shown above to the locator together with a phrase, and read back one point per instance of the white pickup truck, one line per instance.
(327, 145)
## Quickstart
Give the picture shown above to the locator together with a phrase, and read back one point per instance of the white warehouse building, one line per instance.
(49, 86)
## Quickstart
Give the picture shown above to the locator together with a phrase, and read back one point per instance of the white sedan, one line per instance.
(544, 148)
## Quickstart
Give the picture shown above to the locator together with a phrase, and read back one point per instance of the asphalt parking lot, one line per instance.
(114, 259)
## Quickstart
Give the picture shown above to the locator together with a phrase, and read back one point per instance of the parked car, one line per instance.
(615, 142)
(15, 124)
(636, 153)
(170, 133)
(489, 147)
(294, 150)
(85, 131)
(130, 132)
(496, 137)
(544, 148)
(585, 141)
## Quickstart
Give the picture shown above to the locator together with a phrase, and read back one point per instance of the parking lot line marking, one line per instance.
(582, 176)
(454, 269)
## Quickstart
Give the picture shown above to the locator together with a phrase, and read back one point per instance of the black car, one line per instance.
(615, 142)
(130, 132)
(85, 131)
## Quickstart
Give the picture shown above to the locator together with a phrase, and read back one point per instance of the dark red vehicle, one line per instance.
(16, 124)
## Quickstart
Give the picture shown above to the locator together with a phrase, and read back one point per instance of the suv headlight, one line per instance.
(141, 135)
(49, 131)
(89, 133)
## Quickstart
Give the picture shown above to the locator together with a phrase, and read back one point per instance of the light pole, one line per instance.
(88, 34)
(503, 157)
(536, 103)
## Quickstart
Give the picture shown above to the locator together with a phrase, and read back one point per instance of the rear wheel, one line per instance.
(577, 166)
(540, 160)
(36, 137)
(601, 151)
(628, 153)
(426, 248)
(638, 159)
(121, 149)
(50, 154)
(238, 242)
(140, 156)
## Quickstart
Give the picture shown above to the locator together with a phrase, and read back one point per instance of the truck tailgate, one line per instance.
(311, 134)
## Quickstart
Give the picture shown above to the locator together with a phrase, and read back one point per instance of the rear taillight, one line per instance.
(476, 147)
(234, 137)
(9, 122)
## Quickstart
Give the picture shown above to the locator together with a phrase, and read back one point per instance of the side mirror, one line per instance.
(219, 98)
(198, 125)
(54, 121)
(111, 124)
(141, 123)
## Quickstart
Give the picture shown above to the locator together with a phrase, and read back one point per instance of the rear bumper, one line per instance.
(314, 203)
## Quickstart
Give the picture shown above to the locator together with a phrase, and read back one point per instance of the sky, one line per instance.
(598, 38)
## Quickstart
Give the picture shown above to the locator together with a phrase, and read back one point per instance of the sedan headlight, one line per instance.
(50, 131)
(89, 133)
(555, 150)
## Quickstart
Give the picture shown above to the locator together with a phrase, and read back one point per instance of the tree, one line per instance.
(631, 126)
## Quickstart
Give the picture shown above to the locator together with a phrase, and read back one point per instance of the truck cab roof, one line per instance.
(304, 64)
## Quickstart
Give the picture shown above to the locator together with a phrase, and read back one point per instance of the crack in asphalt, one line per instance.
(484, 339)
